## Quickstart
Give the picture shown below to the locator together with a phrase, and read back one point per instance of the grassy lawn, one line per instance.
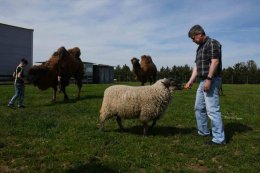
(64, 136)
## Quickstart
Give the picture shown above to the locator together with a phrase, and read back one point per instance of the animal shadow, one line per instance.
(160, 130)
(61, 102)
(69, 101)
(94, 165)
(94, 96)
(232, 128)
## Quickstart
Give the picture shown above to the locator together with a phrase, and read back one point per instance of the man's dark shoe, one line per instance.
(204, 135)
(22, 106)
(10, 106)
(211, 143)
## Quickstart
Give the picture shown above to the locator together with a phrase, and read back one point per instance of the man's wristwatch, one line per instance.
(209, 78)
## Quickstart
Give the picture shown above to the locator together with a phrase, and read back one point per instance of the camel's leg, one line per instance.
(54, 93)
(79, 84)
(63, 89)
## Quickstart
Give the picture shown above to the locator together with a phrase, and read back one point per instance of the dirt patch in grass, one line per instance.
(198, 168)
(5, 169)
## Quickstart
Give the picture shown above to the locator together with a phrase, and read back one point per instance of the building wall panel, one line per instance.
(15, 43)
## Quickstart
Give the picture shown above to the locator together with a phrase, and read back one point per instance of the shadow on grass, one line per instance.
(94, 97)
(60, 102)
(92, 167)
(72, 100)
(69, 101)
(160, 130)
(233, 128)
(2, 144)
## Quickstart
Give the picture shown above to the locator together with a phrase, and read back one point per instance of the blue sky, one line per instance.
(113, 31)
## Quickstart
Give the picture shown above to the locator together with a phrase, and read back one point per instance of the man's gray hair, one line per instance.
(196, 29)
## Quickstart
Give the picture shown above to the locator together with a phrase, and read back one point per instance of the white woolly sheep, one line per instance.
(148, 103)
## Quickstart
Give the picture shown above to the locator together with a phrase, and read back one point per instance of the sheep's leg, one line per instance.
(154, 123)
(119, 122)
(102, 123)
(101, 126)
(145, 129)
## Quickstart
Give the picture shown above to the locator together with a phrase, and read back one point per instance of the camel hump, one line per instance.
(75, 52)
(146, 59)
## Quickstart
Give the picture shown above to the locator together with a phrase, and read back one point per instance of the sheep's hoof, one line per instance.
(145, 135)
(101, 130)
(121, 129)
(66, 97)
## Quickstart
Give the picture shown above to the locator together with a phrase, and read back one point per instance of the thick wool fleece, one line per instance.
(144, 102)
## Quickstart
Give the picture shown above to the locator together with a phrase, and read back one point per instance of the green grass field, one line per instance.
(64, 136)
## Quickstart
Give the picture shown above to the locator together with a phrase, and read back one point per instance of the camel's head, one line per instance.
(135, 62)
(36, 73)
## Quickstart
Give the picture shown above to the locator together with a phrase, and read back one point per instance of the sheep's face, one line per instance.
(170, 83)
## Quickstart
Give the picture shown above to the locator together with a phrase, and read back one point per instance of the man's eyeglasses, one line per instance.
(193, 37)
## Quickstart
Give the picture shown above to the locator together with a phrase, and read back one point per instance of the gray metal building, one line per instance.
(15, 43)
(103, 73)
(98, 73)
(88, 75)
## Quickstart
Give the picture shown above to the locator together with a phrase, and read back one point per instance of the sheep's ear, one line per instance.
(166, 83)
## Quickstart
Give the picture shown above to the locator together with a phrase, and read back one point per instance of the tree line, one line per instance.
(240, 73)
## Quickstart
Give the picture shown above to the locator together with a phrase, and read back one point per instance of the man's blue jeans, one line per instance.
(19, 93)
(207, 105)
